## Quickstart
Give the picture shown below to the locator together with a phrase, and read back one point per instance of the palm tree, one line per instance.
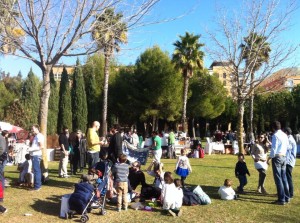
(187, 56)
(109, 32)
(255, 52)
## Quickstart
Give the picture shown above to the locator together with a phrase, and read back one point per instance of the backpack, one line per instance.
(201, 151)
(189, 198)
(204, 198)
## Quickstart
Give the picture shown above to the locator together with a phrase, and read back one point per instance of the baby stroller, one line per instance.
(89, 195)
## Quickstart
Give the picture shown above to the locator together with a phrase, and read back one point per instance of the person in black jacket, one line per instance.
(115, 144)
(240, 172)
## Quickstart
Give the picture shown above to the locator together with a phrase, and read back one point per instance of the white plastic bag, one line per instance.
(64, 207)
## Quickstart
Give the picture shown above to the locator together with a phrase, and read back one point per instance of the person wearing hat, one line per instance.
(290, 159)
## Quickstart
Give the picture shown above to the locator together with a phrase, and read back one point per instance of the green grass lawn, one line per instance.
(209, 173)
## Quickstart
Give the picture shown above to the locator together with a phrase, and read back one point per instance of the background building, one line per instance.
(283, 79)
(57, 71)
(223, 71)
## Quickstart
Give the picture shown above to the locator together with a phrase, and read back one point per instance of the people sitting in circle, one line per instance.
(153, 191)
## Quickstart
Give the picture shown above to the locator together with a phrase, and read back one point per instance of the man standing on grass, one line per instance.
(157, 151)
(290, 160)
(172, 145)
(63, 141)
(36, 155)
(279, 147)
(94, 143)
(115, 144)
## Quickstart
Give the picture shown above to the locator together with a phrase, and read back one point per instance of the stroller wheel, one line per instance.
(103, 212)
(70, 215)
(84, 218)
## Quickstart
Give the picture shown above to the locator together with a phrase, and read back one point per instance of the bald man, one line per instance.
(93, 143)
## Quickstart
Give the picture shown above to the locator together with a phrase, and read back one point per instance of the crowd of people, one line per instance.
(282, 150)
(126, 177)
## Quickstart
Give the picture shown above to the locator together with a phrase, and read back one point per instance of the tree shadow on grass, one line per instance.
(222, 167)
(49, 206)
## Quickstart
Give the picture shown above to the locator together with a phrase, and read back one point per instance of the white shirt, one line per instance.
(135, 139)
(184, 163)
(35, 149)
(178, 198)
(226, 193)
(168, 193)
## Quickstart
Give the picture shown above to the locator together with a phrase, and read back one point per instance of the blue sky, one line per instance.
(200, 14)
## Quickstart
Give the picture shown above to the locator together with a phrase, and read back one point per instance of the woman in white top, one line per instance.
(183, 167)
(259, 155)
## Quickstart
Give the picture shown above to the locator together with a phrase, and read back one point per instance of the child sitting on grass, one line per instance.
(178, 197)
(171, 196)
(226, 192)
(26, 175)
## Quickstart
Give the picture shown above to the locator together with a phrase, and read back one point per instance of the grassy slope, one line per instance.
(209, 172)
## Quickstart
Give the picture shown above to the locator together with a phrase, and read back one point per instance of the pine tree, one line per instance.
(79, 103)
(53, 106)
(65, 107)
(31, 98)
(93, 73)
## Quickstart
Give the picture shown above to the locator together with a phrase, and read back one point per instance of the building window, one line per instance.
(216, 75)
(57, 77)
(224, 83)
(224, 75)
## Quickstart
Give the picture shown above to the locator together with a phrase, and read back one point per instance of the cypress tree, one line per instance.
(94, 64)
(31, 98)
(79, 103)
(53, 106)
(65, 106)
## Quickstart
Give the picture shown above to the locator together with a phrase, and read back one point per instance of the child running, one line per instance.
(240, 172)
(183, 167)
(226, 192)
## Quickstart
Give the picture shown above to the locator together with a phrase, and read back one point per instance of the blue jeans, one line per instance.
(243, 182)
(289, 170)
(279, 172)
(93, 158)
(36, 166)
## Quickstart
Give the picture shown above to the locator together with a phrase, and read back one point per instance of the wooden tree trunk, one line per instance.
(251, 132)
(44, 112)
(240, 125)
(193, 126)
(185, 95)
(105, 95)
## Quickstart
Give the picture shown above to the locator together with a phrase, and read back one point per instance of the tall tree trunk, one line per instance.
(240, 125)
(251, 132)
(193, 126)
(105, 93)
(43, 118)
(185, 95)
